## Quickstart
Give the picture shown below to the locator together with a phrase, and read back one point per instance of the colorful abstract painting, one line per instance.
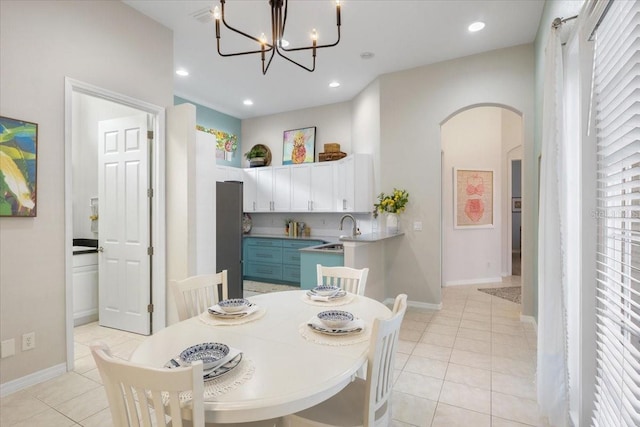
(299, 146)
(226, 143)
(18, 148)
(473, 198)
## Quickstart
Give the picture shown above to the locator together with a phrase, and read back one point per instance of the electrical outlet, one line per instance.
(417, 225)
(28, 341)
(7, 348)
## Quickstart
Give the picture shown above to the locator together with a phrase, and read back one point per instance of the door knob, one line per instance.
(100, 249)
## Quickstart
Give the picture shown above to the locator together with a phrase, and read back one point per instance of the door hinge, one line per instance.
(150, 308)
(149, 134)
(150, 250)
(150, 192)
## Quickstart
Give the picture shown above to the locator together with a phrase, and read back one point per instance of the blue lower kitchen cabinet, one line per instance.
(308, 261)
(274, 260)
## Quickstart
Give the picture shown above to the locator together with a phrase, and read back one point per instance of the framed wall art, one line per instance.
(299, 146)
(18, 149)
(473, 198)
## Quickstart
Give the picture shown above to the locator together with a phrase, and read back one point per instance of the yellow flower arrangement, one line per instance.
(391, 203)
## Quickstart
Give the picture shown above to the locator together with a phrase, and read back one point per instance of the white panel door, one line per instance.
(281, 189)
(322, 177)
(264, 189)
(123, 231)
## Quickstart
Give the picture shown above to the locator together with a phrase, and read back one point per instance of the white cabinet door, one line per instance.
(249, 190)
(354, 184)
(300, 188)
(228, 173)
(264, 188)
(322, 177)
(234, 174)
(281, 189)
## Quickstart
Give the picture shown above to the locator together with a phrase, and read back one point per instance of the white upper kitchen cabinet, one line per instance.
(354, 184)
(228, 173)
(267, 189)
(312, 187)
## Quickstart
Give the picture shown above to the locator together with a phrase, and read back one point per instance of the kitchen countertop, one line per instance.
(370, 237)
(327, 239)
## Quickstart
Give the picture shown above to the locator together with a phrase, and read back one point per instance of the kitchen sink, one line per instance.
(331, 247)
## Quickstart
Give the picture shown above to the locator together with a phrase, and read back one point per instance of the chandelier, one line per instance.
(277, 44)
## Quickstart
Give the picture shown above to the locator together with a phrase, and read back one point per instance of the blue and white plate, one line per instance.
(325, 291)
(335, 318)
(220, 370)
(211, 354)
(219, 312)
(234, 305)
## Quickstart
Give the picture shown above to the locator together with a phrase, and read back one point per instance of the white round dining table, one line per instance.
(291, 373)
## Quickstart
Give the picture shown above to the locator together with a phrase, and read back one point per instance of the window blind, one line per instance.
(617, 117)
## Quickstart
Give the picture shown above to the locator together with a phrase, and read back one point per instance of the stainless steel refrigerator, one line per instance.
(229, 234)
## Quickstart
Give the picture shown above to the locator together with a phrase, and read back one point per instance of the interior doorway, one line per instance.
(516, 217)
(85, 107)
(479, 141)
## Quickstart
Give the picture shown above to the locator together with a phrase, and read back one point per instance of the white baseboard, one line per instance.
(474, 281)
(416, 304)
(529, 319)
(32, 379)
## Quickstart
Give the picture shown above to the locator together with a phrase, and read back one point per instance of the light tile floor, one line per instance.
(471, 364)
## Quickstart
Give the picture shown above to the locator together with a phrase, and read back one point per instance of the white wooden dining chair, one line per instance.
(363, 402)
(144, 396)
(350, 279)
(195, 294)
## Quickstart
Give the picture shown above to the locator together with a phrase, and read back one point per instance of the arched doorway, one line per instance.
(481, 141)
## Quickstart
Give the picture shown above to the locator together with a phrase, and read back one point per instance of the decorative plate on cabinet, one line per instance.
(246, 223)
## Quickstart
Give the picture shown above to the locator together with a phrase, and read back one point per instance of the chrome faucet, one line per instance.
(354, 231)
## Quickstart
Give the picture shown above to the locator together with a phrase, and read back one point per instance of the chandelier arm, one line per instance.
(284, 19)
(265, 69)
(297, 63)
(312, 47)
(249, 52)
(242, 33)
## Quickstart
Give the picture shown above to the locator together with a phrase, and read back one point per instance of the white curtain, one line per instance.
(552, 336)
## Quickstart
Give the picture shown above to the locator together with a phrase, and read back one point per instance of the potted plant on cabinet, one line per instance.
(256, 156)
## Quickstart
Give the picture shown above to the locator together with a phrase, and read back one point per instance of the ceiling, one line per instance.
(402, 34)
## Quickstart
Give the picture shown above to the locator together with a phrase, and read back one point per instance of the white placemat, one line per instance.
(329, 302)
(223, 384)
(338, 340)
(220, 321)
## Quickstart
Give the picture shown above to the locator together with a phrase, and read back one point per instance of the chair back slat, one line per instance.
(195, 294)
(380, 361)
(141, 396)
(350, 279)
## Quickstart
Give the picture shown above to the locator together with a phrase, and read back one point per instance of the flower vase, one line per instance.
(393, 225)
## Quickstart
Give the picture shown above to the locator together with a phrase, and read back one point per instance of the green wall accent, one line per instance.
(212, 119)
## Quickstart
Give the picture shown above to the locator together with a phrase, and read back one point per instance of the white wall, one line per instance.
(107, 44)
(413, 105)
(333, 124)
(87, 112)
(365, 127)
(472, 140)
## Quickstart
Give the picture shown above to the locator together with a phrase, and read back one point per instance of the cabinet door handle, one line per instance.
(100, 249)
(254, 206)
(344, 204)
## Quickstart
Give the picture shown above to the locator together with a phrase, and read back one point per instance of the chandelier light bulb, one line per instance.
(216, 13)
(263, 39)
(314, 35)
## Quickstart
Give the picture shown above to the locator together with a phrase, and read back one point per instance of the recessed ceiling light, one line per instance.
(247, 102)
(476, 26)
(182, 72)
(367, 55)
(334, 84)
